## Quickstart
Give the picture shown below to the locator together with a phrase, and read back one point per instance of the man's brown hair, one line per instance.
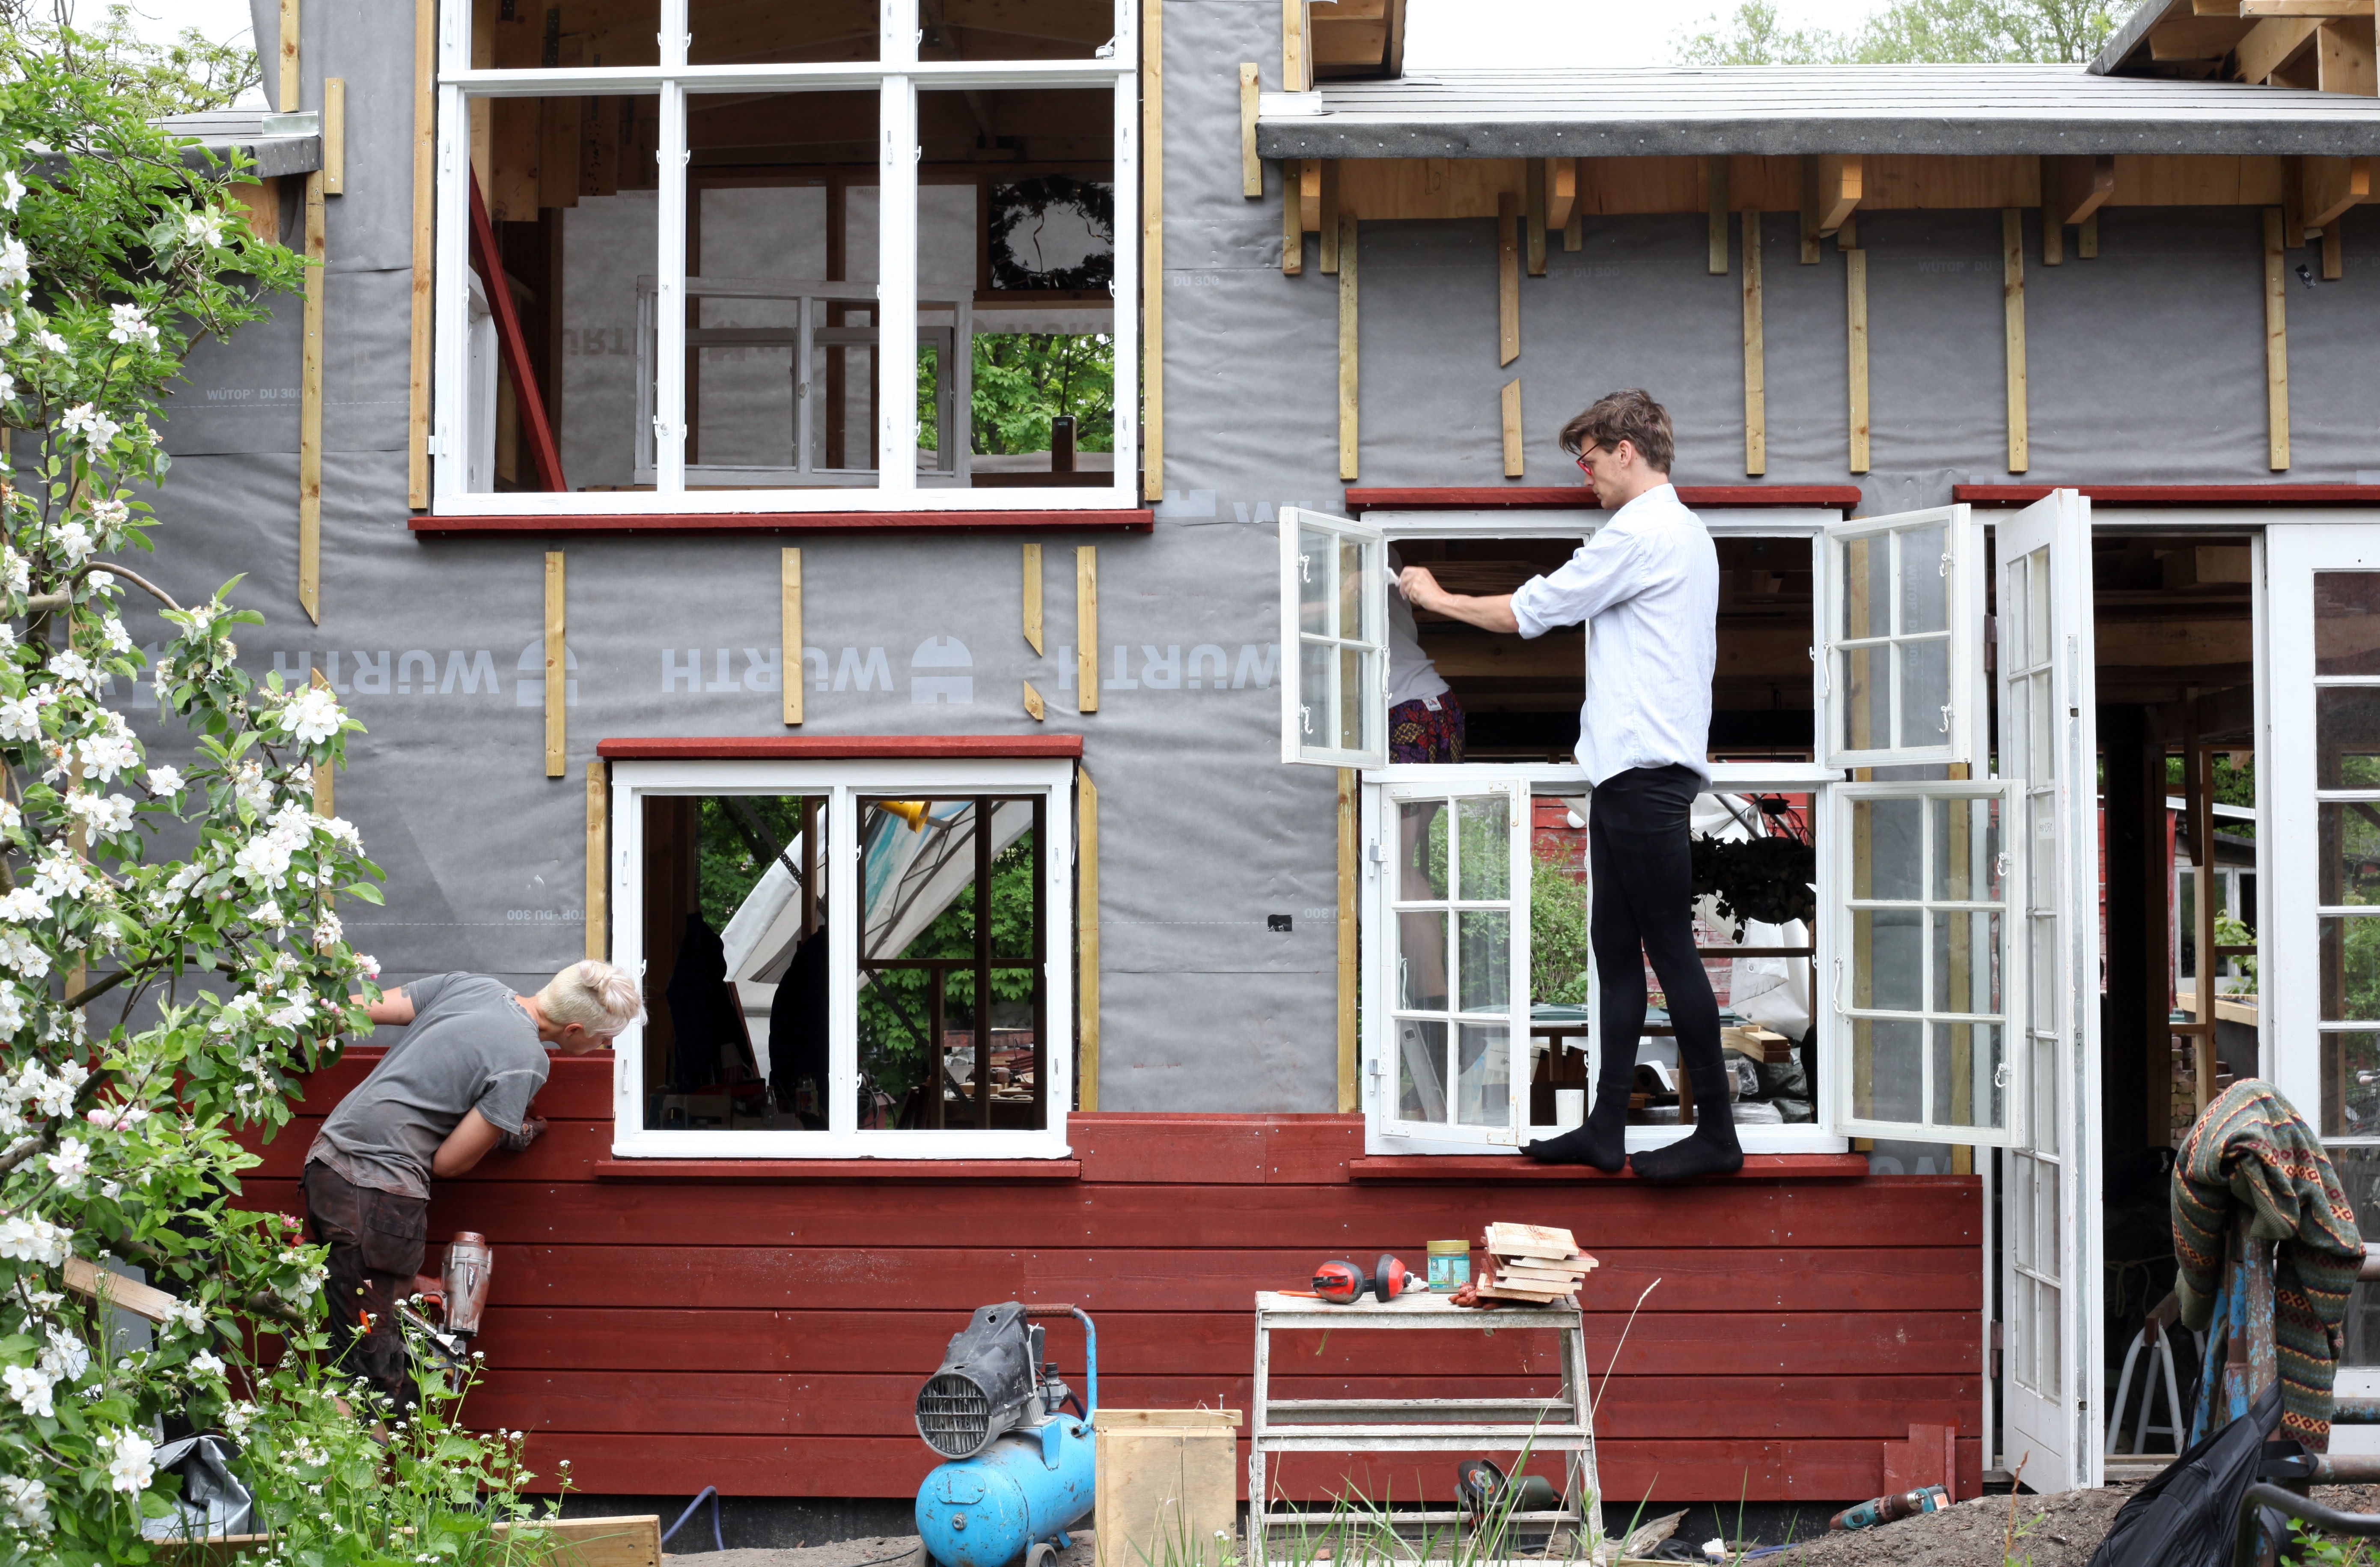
(1631, 416)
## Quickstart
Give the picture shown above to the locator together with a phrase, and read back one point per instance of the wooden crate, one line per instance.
(1168, 1480)
(631, 1541)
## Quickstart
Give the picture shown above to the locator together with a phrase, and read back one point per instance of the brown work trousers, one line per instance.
(376, 1239)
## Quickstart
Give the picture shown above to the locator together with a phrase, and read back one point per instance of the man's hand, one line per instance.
(1421, 591)
(532, 1128)
(1420, 588)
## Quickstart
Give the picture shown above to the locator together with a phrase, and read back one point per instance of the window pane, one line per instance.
(1886, 839)
(1482, 1092)
(735, 943)
(576, 32)
(2350, 1084)
(1887, 1069)
(1925, 581)
(1867, 696)
(952, 1013)
(1966, 1071)
(1966, 961)
(1316, 697)
(2350, 968)
(1863, 589)
(1886, 955)
(2347, 737)
(1357, 683)
(1420, 839)
(2347, 622)
(1315, 559)
(1487, 848)
(1925, 692)
(2359, 1172)
(735, 33)
(1005, 29)
(1966, 850)
(1421, 1069)
(1350, 591)
(2038, 621)
(2349, 856)
(2012, 633)
(1421, 961)
(1485, 963)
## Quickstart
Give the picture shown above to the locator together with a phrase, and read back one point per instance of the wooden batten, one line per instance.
(1534, 198)
(1152, 249)
(1292, 217)
(1855, 314)
(1251, 168)
(2074, 188)
(2020, 455)
(1086, 627)
(2276, 344)
(599, 849)
(1296, 47)
(1350, 423)
(1031, 597)
(789, 632)
(2053, 238)
(1327, 207)
(557, 673)
(334, 136)
(309, 410)
(285, 99)
(1715, 205)
(1756, 356)
(1561, 194)
(326, 779)
(1509, 405)
(1034, 708)
(1508, 279)
(2334, 258)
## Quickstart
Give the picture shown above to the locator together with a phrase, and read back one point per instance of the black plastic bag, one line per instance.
(2188, 1516)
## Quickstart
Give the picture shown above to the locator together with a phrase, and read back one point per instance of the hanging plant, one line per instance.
(1768, 879)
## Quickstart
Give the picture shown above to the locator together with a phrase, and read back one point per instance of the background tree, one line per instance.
(1910, 33)
(190, 74)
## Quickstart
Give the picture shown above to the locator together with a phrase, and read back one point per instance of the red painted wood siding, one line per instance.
(769, 1338)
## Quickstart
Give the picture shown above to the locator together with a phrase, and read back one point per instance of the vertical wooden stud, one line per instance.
(2334, 260)
(1512, 412)
(1508, 277)
(1812, 180)
(789, 634)
(2012, 296)
(1348, 381)
(1292, 217)
(1152, 251)
(1846, 236)
(1534, 178)
(2276, 344)
(1575, 231)
(1033, 596)
(598, 859)
(327, 796)
(556, 672)
(286, 101)
(2086, 238)
(1756, 356)
(1251, 168)
(2053, 238)
(1715, 171)
(309, 409)
(1327, 203)
(1086, 627)
(425, 192)
(1349, 877)
(1855, 311)
(334, 136)
(1296, 47)
(1086, 940)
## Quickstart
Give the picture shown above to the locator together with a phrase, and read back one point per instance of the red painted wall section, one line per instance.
(768, 1337)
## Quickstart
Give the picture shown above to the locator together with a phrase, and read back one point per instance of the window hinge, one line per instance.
(1946, 718)
(1944, 569)
(1105, 51)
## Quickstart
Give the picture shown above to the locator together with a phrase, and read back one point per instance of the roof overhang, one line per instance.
(1959, 111)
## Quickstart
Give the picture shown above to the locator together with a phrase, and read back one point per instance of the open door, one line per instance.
(1449, 1047)
(1334, 632)
(2049, 751)
(1899, 607)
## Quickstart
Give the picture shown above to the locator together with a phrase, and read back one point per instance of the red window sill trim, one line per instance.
(1459, 1167)
(1136, 519)
(2178, 494)
(835, 747)
(785, 1170)
(1577, 497)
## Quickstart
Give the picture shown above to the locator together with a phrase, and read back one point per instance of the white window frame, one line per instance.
(1372, 587)
(843, 783)
(1962, 596)
(898, 75)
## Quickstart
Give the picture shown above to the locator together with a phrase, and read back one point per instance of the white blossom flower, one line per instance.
(15, 272)
(10, 817)
(20, 719)
(30, 1386)
(21, 953)
(129, 323)
(237, 1417)
(70, 666)
(206, 1363)
(327, 931)
(51, 341)
(165, 780)
(59, 874)
(74, 540)
(311, 716)
(295, 1015)
(111, 628)
(131, 1468)
(70, 1164)
(255, 790)
(203, 226)
(343, 833)
(7, 329)
(369, 964)
(85, 419)
(66, 1356)
(263, 859)
(12, 1017)
(105, 814)
(7, 381)
(185, 1317)
(110, 513)
(105, 755)
(23, 906)
(28, 1501)
(11, 189)
(19, 570)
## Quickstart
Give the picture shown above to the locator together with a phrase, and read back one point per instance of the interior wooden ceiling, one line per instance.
(2324, 44)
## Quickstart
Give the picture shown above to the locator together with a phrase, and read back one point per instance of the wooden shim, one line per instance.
(1855, 312)
(1715, 205)
(1086, 627)
(556, 673)
(1755, 356)
(1561, 196)
(2075, 187)
(1508, 278)
(2334, 261)
(2086, 241)
(309, 410)
(286, 100)
(1032, 597)
(1534, 178)
(2345, 57)
(1152, 249)
(1035, 709)
(2277, 346)
(85, 1277)
(2012, 297)
(1326, 208)
(1511, 401)
(425, 192)
(1832, 183)
(1348, 421)
(789, 632)
(599, 854)
(1293, 218)
(1251, 168)
(326, 783)
(1086, 940)
(334, 136)
(1296, 47)
(1349, 814)
(2327, 186)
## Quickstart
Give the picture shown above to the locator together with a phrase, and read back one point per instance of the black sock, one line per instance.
(1601, 1143)
(1711, 1149)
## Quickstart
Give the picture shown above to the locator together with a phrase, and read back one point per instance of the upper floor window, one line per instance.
(851, 255)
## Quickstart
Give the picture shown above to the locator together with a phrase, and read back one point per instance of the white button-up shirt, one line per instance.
(1647, 586)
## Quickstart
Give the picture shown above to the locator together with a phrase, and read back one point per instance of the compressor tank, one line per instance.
(1027, 1488)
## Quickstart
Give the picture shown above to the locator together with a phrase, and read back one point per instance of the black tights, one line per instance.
(1641, 857)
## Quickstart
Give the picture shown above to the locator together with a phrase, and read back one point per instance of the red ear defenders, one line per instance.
(1344, 1284)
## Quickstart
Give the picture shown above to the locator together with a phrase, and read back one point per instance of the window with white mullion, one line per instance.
(669, 291)
(896, 274)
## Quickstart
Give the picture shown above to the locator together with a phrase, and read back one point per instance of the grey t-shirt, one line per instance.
(469, 1046)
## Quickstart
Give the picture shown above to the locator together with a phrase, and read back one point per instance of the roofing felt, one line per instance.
(276, 144)
(1671, 111)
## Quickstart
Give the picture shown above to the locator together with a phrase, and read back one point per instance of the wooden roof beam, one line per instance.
(2273, 44)
(2304, 7)
(2078, 186)
(2330, 186)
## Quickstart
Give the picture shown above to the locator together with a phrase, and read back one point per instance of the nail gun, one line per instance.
(459, 1297)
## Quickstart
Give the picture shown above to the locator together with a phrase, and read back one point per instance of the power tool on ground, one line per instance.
(1020, 1473)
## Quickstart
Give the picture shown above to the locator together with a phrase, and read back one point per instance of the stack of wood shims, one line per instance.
(1533, 1262)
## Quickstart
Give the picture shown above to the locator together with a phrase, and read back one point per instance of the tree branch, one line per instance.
(43, 603)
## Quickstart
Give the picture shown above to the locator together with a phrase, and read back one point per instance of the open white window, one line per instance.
(1334, 613)
(844, 959)
(1901, 627)
(1453, 974)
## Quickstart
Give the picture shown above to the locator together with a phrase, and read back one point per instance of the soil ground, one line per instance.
(884, 1552)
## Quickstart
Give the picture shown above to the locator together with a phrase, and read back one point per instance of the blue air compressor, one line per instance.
(1019, 1473)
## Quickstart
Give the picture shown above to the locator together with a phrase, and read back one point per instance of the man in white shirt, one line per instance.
(1647, 585)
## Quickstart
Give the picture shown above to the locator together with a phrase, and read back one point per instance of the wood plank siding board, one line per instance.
(775, 1332)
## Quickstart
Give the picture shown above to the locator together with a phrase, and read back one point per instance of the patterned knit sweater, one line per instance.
(2252, 1153)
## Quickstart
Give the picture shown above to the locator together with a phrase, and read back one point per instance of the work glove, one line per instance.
(532, 1128)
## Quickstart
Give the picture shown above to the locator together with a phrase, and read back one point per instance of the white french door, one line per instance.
(2048, 750)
